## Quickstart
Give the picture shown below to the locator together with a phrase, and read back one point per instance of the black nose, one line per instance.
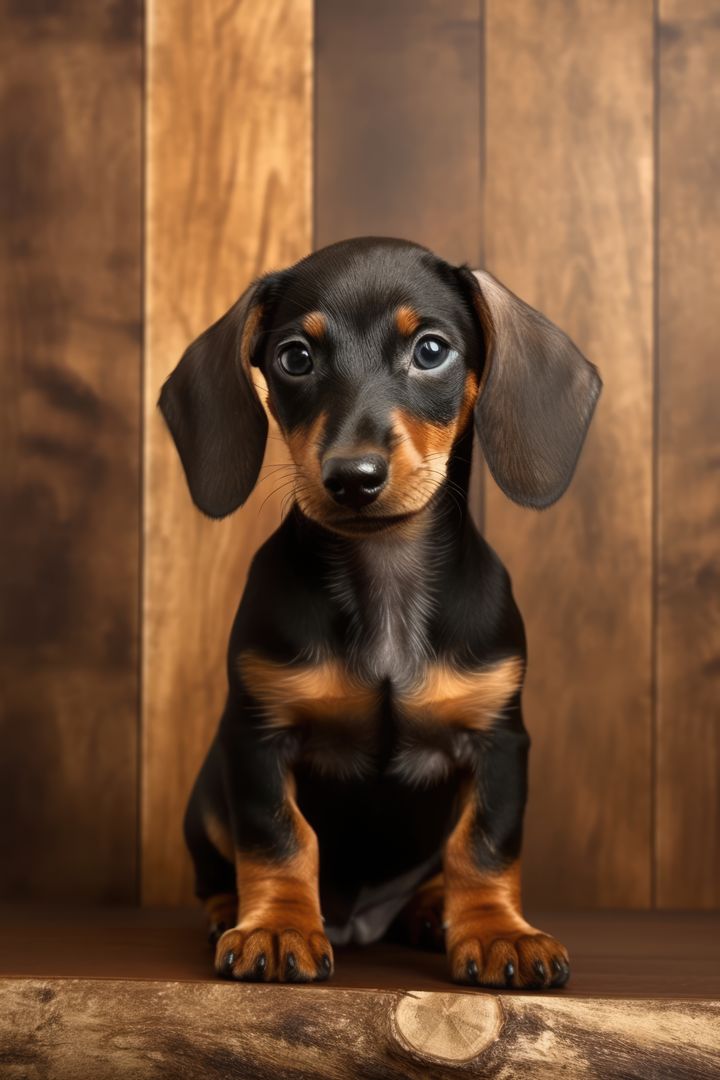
(355, 482)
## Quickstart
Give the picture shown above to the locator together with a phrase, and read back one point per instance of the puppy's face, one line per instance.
(376, 353)
(372, 358)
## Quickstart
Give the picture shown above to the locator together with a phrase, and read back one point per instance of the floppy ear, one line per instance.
(214, 413)
(536, 400)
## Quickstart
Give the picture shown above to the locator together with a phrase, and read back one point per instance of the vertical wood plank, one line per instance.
(70, 265)
(568, 211)
(229, 112)
(399, 123)
(688, 757)
(399, 128)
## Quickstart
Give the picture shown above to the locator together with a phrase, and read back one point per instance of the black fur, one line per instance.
(314, 585)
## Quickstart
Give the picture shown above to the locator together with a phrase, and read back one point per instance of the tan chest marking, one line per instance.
(297, 694)
(464, 699)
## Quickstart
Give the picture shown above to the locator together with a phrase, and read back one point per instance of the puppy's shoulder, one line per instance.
(283, 611)
(479, 614)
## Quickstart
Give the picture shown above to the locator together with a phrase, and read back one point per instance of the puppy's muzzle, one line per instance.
(355, 482)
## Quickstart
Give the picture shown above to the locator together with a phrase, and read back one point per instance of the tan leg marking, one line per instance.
(488, 940)
(279, 933)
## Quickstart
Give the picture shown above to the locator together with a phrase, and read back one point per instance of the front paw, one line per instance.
(265, 954)
(529, 960)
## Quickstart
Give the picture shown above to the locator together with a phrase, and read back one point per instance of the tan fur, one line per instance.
(304, 446)
(477, 901)
(407, 320)
(283, 893)
(421, 453)
(297, 693)
(418, 462)
(293, 694)
(466, 699)
(488, 940)
(221, 908)
(315, 325)
(247, 341)
(278, 910)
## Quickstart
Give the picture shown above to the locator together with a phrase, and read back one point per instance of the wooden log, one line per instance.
(112, 1029)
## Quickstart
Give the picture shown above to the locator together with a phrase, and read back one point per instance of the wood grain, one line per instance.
(113, 1028)
(70, 267)
(629, 955)
(688, 691)
(398, 123)
(228, 196)
(568, 211)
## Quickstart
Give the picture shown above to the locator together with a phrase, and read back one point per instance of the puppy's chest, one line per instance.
(351, 722)
(378, 696)
(386, 602)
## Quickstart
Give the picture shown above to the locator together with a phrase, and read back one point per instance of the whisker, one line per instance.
(275, 491)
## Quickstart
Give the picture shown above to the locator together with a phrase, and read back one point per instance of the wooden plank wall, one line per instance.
(70, 269)
(398, 136)
(568, 226)
(570, 147)
(229, 107)
(688, 507)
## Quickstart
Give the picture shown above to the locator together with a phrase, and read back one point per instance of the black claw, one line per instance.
(325, 965)
(472, 970)
(509, 972)
(290, 967)
(539, 969)
(228, 963)
(260, 965)
(562, 972)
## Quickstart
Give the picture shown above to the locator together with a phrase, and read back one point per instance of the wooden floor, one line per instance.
(630, 954)
(115, 993)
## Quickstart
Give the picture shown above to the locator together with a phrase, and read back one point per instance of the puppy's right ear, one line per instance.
(213, 411)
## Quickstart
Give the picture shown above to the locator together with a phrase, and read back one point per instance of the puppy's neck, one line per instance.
(387, 587)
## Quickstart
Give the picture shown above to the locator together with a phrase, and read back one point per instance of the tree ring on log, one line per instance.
(447, 1027)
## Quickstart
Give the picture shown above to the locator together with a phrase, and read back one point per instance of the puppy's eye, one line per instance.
(431, 352)
(295, 359)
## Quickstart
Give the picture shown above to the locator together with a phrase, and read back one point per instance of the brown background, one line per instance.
(153, 162)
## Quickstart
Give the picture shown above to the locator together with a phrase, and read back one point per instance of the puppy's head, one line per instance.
(376, 355)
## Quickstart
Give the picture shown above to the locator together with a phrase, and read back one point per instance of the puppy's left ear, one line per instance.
(213, 411)
(537, 395)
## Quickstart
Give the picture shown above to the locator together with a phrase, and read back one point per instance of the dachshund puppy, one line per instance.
(370, 765)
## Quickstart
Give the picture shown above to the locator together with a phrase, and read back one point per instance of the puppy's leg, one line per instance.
(279, 931)
(208, 838)
(488, 941)
(423, 918)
